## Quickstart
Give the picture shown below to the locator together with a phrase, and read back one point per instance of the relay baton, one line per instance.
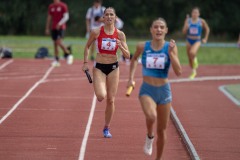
(88, 76)
(130, 89)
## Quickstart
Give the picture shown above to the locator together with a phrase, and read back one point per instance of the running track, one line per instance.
(46, 114)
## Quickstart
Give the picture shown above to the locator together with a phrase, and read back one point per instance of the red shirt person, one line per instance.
(56, 20)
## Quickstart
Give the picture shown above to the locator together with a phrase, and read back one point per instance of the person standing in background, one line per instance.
(94, 20)
(56, 20)
(193, 27)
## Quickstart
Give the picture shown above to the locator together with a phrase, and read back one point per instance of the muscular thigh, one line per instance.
(112, 83)
(195, 47)
(99, 82)
(148, 106)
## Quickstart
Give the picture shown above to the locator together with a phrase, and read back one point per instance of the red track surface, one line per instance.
(50, 123)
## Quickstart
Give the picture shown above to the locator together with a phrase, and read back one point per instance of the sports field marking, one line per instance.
(190, 147)
(230, 96)
(197, 79)
(86, 134)
(26, 95)
(20, 77)
(5, 64)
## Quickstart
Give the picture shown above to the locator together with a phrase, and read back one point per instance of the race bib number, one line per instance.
(108, 44)
(193, 30)
(155, 61)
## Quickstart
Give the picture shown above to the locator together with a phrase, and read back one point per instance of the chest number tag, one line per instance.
(108, 44)
(193, 30)
(155, 61)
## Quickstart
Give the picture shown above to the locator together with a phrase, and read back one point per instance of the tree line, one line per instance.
(28, 17)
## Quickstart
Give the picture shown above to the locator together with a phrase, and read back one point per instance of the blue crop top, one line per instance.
(194, 29)
(155, 63)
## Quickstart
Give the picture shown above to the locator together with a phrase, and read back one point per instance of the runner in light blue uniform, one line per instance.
(193, 27)
(155, 93)
(160, 94)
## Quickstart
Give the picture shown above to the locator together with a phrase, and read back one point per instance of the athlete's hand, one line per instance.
(58, 27)
(119, 43)
(85, 67)
(130, 83)
(204, 40)
(172, 44)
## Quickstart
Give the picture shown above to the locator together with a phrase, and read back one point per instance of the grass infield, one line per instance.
(26, 47)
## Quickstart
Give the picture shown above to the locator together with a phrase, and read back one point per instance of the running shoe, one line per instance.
(193, 75)
(148, 146)
(56, 63)
(70, 59)
(106, 133)
(195, 63)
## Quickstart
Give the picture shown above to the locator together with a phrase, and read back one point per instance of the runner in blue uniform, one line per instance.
(193, 27)
(155, 93)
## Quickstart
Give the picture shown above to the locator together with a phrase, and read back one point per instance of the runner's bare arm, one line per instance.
(121, 42)
(134, 62)
(173, 53)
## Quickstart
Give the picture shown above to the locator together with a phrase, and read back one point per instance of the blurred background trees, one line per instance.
(28, 17)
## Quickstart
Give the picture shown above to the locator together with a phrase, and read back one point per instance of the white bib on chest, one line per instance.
(193, 30)
(108, 44)
(155, 61)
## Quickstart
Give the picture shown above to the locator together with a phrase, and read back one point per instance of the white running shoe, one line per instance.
(70, 59)
(148, 146)
(56, 64)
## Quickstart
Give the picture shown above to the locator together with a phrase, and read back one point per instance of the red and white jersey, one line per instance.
(107, 44)
(56, 10)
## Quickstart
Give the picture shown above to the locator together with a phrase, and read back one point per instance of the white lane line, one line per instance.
(226, 93)
(193, 153)
(26, 95)
(5, 64)
(197, 79)
(86, 134)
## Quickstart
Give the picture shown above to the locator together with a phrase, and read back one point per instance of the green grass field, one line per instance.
(234, 90)
(26, 47)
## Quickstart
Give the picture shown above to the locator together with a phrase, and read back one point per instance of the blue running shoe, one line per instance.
(106, 133)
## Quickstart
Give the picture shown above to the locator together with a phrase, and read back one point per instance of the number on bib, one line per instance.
(155, 61)
(193, 30)
(108, 44)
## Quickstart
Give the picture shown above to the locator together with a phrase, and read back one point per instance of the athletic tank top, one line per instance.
(194, 29)
(107, 44)
(155, 63)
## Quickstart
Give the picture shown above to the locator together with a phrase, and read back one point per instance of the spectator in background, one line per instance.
(56, 20)
(94, 19)
(193, 27)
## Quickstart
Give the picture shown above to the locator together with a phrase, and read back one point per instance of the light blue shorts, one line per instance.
(160, 95)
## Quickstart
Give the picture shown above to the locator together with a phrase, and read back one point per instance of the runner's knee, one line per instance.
(151, 118)
(100, 97)
(110, 101)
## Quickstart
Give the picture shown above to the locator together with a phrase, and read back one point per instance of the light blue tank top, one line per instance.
(194, 29)
(155, 63)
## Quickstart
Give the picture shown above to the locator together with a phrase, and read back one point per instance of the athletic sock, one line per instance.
(150, 137)
(56, 58)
